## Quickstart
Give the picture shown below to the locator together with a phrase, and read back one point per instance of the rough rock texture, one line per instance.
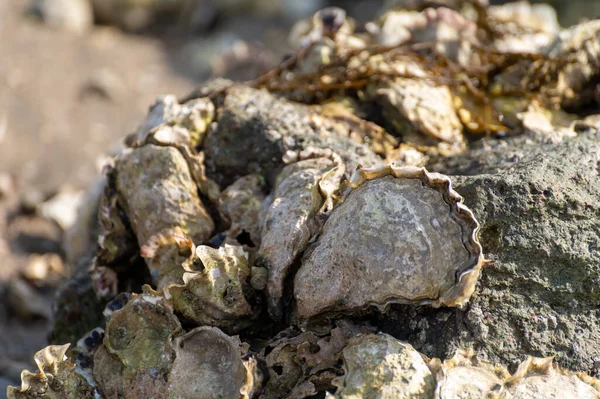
(540, 228)
(256, 129)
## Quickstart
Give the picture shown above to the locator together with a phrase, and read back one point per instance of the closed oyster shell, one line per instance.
(378, 366)
(136, 356)
(468, 375)
(291, 221)
(241, 204)
(540, 378)
(402, 235)
(57, 378)
(216, 289)
(208, 364)
(579, 46)
(157, 191)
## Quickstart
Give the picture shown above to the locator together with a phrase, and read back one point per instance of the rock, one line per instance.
(539, 227)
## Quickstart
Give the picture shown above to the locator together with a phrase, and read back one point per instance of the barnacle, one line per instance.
(380, 366)
(402, 235)
(57, 378)
(216, 289)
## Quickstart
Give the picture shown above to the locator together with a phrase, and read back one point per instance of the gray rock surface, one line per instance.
(540, 227)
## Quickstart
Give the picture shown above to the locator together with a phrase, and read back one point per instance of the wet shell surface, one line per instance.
(378, 366)
(401, 235)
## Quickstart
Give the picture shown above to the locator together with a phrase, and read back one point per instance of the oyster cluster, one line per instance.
(252, 237)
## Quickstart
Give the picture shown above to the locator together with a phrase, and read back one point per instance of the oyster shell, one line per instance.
(135, 357)
(57, 378)
(379, 366)
(579, 46)
(157, 192)
(540, 378)
(208, 364)
(241, 204)
(468, 375)
(402, 235)
(216, 289)
(291, 221)
(190, 120)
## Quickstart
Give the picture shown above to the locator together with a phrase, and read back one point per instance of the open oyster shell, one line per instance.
(401, 235)
(216, 289)
(291, 221)
(208, 364)
(378, 366)
(57, 378)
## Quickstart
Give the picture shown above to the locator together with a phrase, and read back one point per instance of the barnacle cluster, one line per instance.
(251, 234)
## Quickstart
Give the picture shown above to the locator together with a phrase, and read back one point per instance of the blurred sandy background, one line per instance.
(74, 80)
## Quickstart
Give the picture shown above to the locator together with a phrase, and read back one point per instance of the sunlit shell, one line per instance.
(136, 356)
(216, 289)
(208, 364)
(291, 221)
(157, 192)
(192, 119)
(468, 375)
(540, 378)
(57, 378)
(402, 235)
(378, 366)
(426, 107)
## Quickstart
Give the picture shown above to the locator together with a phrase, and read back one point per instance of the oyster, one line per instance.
(135, 357)
(402, 235)
(208, 364)
(158, 193)
(468, 375)
(379, 366)
(291, 221)
(540, 378)
(241, 205)
(579, 46)
(216, 289)
(57, 378)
